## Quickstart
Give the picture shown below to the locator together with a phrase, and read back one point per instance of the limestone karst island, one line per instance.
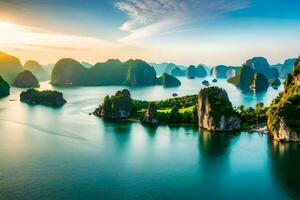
(149, 99)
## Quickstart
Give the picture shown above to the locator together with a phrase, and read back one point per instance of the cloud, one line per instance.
(151, 17)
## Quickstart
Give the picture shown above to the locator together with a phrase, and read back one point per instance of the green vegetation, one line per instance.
(26, 79)
(68, 71)
(243, 77)
(169, 81)
(10, 67)
(252, 117)
(218, 101)
(4, 88)
(48, 98)
(285, 108)
(112, 72)
(117, 106)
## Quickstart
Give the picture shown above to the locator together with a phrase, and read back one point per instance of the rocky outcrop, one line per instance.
(219, 71)
(47, 98)
(68, 72)
(169, 81)
(26, 79)
(243, 78)
(150, 115)
(191, 72)
(284, 112)
(201, 71)
(10, 67)
(118, 106)
(140, 73)
(261, 65)
(113, 72)
(287, 67)
(215, 111)
(4, 88)
(259, 83)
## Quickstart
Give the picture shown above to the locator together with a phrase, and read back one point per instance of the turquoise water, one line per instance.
(48, 153)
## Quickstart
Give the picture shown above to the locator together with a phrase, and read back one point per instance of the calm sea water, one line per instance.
(64, 153)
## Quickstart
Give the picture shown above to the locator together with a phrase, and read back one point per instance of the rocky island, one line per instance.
(69, 72)
(118, 106)
(247, 78)
(284, 113)
(26, 79)
(215, 111)
(48, 98)
(4, 88)
(169, 81)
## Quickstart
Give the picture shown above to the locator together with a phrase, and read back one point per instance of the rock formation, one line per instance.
(215, 111)
(113, 72)
(261, 65)
(219, 71)
(118, 106)
(201, 71)
(48, 98)
(26, 79)
(10, 67)
(243, 78)
(169, 81)
(37, 70)
(260, 82)
(4, 88)
(150, 115)
(191, 72)
(68, 72)
(287, 67)
(284, 113)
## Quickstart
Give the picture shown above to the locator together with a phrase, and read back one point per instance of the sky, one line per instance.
(185, 32)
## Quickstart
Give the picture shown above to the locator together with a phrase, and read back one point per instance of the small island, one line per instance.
(169, 81)
(26, 79)
(47, 98)
(185, 110)
(4, 88)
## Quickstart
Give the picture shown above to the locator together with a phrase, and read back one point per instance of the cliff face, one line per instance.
(26, 79)
(10, 67)
(260, 82)
(287, 67)
(215, 111)
(284, 113)
(219, 71)
(191, 72)
(261, 65)
(150, 115)
(140, 73)
(169, 81)
(4, 88)
(67, 72)
(118, 106)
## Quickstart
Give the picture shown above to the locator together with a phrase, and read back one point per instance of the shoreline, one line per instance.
(260, 128)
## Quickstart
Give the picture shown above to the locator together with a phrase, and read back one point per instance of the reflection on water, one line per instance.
(65, 153)
(285, 166)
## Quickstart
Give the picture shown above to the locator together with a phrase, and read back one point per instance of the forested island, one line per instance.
(47, 98)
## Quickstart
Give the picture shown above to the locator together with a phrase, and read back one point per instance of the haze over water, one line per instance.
(64, 153)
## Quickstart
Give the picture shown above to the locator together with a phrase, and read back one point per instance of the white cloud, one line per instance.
(151, 17)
